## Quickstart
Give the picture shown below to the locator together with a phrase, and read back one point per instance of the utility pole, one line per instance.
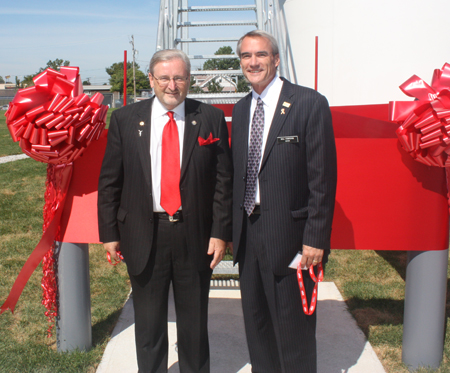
(134, 75)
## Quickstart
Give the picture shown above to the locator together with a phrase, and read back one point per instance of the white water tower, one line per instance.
(367, 48)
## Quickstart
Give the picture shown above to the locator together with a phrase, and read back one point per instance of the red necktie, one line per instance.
(170, 167)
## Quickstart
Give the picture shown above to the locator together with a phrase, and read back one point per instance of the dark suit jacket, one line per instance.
(125, 205)
(297, 179)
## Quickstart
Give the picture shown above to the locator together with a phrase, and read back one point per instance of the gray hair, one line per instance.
(258, 34)
(168, 55)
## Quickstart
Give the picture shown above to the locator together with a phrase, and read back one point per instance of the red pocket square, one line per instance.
(208, 141)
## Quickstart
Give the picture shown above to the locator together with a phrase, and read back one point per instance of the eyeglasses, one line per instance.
(165, 80)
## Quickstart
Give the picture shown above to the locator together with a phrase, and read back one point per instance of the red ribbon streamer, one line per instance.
(116, 261)
(309, 311)
(65, 173)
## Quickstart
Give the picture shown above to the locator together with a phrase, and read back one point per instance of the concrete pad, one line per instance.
(342, 347)
(341, 344)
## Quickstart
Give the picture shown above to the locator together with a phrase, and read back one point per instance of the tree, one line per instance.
(225, 64)
(242, 85)
(27, 80)
(222, 64)
(192, 88)
(214, 86)
(115, 71)
(86, 82)
(55, 65)
(2, 81)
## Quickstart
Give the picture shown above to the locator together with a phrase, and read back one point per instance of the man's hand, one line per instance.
(216, 247)
(311, 255)
(112, 248)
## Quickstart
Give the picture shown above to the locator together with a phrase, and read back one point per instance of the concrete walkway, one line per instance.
(10, 158)
(342, 346)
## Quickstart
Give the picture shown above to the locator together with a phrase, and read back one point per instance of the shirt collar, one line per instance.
(159, 110)
(271, 92)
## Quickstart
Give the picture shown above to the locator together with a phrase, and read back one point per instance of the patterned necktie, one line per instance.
(254, 156)
(170, 167)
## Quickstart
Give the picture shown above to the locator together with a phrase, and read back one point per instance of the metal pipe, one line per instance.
(125, 65)
(424, 315)
(73, 324)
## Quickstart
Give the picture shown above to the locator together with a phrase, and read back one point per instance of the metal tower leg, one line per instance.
(424, 316)
(73, 324)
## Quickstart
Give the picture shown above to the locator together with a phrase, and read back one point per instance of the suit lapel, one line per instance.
(285, 103)
(240, 140)
(142, 123)
(192, 124)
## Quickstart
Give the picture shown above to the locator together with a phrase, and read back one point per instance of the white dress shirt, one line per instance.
(269, 97)
(159, 119)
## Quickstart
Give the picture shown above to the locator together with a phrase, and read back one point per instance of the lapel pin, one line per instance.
(140, 132)
(141, 123)
(282, 111)
(194, 122)
(287, 104)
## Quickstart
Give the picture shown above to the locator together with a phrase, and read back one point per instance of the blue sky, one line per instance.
(93, 34)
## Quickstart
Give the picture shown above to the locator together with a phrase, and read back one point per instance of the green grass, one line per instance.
(23, 335)
(109, 116)
(7, 146)
(373, 286)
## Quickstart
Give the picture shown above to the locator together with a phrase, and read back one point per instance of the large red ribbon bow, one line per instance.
(54, 122)
(424, 130)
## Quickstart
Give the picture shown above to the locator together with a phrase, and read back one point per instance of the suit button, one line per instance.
(241, 206)
(151, 220)
(243, 178)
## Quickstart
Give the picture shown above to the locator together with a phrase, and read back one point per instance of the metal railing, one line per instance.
(174, 25)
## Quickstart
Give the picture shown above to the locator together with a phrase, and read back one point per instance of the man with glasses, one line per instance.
(164, 204)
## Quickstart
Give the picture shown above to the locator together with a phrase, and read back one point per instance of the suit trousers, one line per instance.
(280, 337)
(170, 263)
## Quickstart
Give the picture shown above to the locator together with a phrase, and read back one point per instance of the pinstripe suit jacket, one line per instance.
(297, 179)
(125, 203)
